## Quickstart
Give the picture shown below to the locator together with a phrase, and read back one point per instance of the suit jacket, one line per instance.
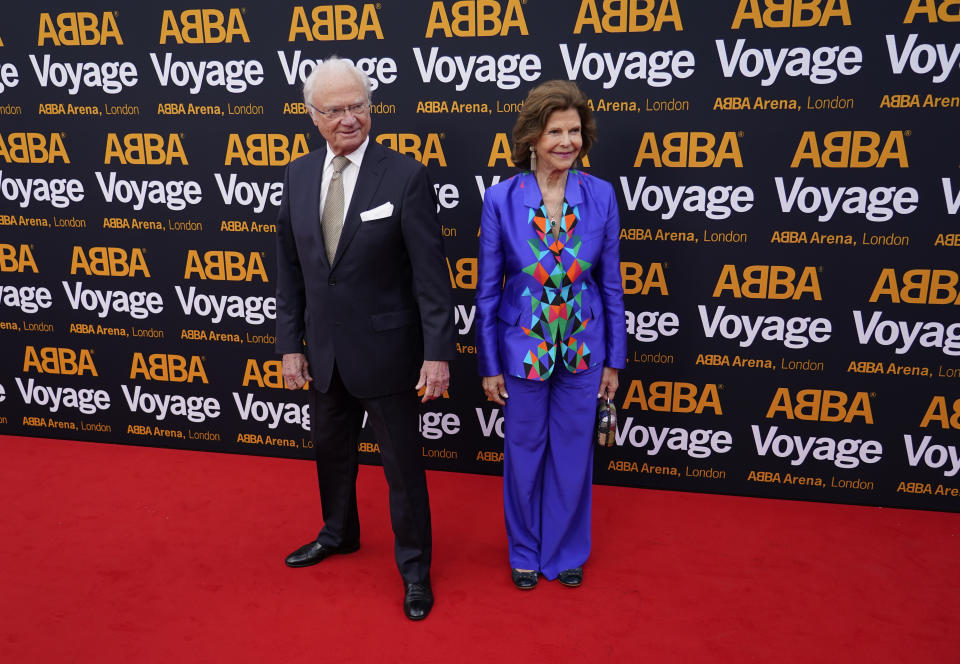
(540, 300)
(385, 304)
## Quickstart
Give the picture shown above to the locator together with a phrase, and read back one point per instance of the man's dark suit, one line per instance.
(368, 322)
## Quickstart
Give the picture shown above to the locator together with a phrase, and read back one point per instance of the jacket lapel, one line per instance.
(368, 181)
(305, 205)
(536, 216)
(532, 198)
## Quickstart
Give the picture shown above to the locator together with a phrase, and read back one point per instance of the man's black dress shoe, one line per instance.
(571, 577)
(314, 552)
(524, 580)
(417, 600)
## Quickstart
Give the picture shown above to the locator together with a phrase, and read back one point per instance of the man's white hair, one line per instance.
(326, 70)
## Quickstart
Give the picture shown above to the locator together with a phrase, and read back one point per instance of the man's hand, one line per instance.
(295, 371)
(609, 382)
(435, 376)
(495, 388)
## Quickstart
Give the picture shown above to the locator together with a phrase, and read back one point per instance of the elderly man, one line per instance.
(364, 314)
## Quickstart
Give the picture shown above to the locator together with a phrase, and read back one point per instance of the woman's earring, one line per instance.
(533, 159)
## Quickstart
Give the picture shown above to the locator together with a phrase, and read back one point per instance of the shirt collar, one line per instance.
(354, 157)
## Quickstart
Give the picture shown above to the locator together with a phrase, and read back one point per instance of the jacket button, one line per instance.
(331, 282)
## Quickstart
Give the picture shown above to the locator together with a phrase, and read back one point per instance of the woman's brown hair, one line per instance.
(540, 103)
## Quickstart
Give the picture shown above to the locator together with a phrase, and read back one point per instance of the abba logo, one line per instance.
(820, 406)
(463, 273)
(476, 18)
(265, 149)
(32, 148)
(423, 150)
(917, 286)
(203, 26)
(144, 149)
(850, 149)
(225, 266)
(790, 13)
(264, 374)
(17, 258)
(335, 23)
(688, 149)
(636, 279)
(843, 453)
(109, 262)
(673, 397)
(78, 29)
(938, 412)
(932, 455)
(771, 282)
(167, 368)
(500, 150)
(947, 11)
(60, 361)
(619, 16)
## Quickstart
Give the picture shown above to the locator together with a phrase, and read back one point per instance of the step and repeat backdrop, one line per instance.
(787, 174)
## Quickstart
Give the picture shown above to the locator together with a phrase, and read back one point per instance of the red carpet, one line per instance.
(127, 554)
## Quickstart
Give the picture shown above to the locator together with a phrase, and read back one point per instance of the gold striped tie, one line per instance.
(331, 219)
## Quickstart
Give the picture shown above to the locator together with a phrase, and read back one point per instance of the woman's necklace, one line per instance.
(554, 215)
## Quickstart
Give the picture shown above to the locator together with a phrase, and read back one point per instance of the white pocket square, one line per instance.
(379, 212)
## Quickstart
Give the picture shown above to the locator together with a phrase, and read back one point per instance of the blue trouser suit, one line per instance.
(548, 469)
(549, 317)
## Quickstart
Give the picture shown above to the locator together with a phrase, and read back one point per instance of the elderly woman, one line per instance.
(550, 329)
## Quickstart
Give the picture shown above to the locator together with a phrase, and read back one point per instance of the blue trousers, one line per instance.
(548, 469)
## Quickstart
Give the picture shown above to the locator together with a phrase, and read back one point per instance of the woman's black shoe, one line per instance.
(571, 577)
(524, 580)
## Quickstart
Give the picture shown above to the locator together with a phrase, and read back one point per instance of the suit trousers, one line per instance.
(336, 422)
(548, 469)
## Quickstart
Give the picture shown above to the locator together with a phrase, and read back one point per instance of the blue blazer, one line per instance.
(540, 301)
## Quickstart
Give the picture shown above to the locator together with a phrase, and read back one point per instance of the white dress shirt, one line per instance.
(349, 174)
